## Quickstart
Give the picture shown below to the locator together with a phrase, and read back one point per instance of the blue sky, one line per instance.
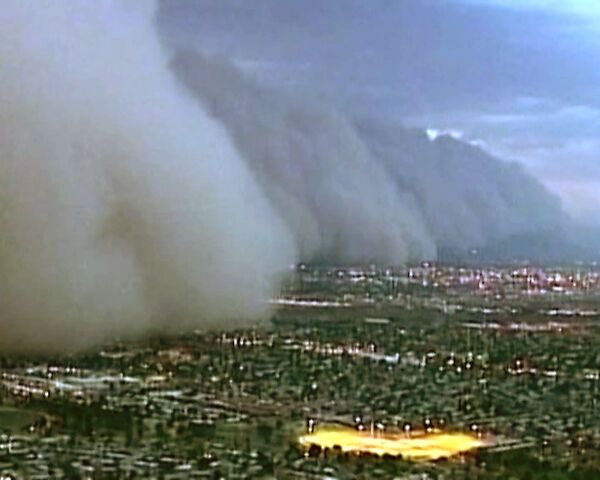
(587, 9)
(521, 78)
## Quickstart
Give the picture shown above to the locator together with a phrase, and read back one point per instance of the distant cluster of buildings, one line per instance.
(522, 280)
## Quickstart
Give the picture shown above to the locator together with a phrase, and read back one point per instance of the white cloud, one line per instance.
(434, 133)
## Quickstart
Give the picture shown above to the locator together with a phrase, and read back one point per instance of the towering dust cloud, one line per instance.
(123, 206)
(139, 191)
(338, 200)
(369, 190)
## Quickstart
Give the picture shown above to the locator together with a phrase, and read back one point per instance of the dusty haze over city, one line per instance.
(162, 164)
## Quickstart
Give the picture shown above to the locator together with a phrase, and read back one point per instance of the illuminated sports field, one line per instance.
(418, 446)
